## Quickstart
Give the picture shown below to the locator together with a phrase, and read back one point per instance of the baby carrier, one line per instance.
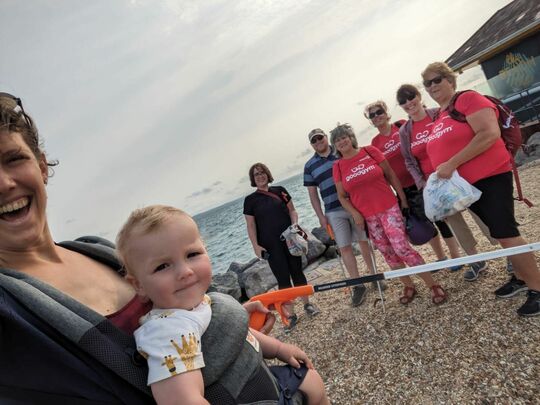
(56, 350)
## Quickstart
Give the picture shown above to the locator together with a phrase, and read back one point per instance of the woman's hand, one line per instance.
(258, 251)
(323, 222)
(404, 204)
(358, 219)
(293, 355)
(445, 170)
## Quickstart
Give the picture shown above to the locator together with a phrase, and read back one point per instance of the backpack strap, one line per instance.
(452, 112)
(231, 361)
(520, 196)
(89, 331)
(369, 154)
(269, 194)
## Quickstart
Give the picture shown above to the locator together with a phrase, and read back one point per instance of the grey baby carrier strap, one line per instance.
(89, 331)
(238, 373)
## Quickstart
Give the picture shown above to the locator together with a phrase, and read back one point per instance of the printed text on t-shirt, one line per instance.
(359, 170)
(439, 131)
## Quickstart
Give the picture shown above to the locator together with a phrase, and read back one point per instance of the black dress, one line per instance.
(271, 219)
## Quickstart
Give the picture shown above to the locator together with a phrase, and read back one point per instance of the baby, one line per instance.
(167, 263)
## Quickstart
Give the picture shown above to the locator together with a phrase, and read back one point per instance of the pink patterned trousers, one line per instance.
(387, 232)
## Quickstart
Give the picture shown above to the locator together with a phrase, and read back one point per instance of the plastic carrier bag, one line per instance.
(446, 197)
(296, 239)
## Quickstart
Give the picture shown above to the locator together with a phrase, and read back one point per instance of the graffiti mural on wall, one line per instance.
(518, 70)
(515, 69)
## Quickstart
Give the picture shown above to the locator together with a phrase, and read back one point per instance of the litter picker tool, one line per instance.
(338, 252)
(374, 271)
(279, 297)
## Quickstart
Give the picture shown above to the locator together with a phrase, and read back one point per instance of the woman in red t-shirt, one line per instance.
(388, 142)
(476, 150)
(364, 182)
(414, 135)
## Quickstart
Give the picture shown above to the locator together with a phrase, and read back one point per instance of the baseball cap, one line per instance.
(315, 132)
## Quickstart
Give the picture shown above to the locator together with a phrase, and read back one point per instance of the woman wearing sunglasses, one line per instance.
(413, 138)
(476, 150)
(364, 182)
(388, 142)
(66, 313)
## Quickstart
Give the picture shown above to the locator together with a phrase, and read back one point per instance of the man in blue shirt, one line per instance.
(318, 175)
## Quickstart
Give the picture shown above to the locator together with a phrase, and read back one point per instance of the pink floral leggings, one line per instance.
(387, 232)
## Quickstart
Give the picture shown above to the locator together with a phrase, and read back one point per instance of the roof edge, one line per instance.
(529, 29)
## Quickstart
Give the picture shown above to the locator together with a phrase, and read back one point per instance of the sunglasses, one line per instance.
(316, 139)
(436, 80)
(380, 111)
(9, 101)
(403, 100)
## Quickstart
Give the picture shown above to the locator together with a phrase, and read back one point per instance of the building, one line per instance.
(507, 47)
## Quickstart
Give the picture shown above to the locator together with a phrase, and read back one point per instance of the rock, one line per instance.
(520, 157)
(530, 151)
(226, 283)
(238, 268)
(315, 249)
(321, 234)
(258, 278)
(330, 252)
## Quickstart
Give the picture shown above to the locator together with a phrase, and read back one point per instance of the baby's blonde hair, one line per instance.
(142, 221)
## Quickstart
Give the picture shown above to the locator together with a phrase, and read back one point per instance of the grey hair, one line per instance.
(342, 130)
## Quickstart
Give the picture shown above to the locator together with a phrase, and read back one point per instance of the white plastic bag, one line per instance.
(296, 239)
(445, 197)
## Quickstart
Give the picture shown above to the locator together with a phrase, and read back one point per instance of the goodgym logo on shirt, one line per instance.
(391, 146)
(359, 170)
(439, 130)
(421, 137)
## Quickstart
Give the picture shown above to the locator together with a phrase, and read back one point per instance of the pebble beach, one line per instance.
(472, 349)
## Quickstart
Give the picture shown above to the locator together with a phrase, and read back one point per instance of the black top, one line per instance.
(271, 214)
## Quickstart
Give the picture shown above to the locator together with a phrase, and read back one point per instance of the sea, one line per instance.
(224, 228)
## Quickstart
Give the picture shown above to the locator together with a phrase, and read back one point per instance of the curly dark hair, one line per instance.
(16, 120)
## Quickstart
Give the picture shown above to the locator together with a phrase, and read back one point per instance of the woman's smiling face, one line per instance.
(413, 106)
(344, 144)
(23, 197)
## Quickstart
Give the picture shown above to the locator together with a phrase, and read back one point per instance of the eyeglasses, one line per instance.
(9, 101)
(436, 80)
(259, 174)
(380, 111)
(403, 100)
(316, 139)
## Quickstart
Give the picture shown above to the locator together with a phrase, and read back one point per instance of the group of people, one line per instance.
(82, 323)
(96, 325)
(368, 190)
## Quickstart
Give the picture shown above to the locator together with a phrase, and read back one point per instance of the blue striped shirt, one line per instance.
(318, 172)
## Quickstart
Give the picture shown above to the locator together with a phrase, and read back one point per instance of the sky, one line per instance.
(171, 101)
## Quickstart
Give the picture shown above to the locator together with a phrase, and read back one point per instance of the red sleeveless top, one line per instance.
(127, 317)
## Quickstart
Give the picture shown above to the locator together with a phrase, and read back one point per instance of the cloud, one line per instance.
(150, 102)
(305, 152)
(206, 190)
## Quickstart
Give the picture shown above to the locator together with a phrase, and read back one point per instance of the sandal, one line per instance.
(438, 295)
(408, 295)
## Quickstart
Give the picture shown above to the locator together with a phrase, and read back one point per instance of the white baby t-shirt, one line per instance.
(170, 340)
